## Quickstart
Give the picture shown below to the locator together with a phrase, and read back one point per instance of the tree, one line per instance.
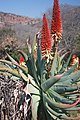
(77, 43)
(8, 41)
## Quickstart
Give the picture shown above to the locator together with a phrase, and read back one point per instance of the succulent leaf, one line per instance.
(53, 103)
(9, 70)
(54, 65)
(11, 59)
(70, 79)
(50, 82)
(70, 70)
(66, 64)
(59, 97)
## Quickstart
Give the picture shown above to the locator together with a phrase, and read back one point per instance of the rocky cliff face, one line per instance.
(11, 19)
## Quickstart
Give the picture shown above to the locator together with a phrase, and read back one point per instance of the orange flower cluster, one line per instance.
(75, 59)
(56, 25)
(56, 30)
(46, 38)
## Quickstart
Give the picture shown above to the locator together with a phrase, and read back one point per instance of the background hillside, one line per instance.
(21, 28)
(71, 27)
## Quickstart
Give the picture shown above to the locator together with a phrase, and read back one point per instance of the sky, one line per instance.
(31, 8)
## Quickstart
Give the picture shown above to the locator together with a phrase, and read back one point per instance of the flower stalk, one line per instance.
(56, 24)
(46, 39)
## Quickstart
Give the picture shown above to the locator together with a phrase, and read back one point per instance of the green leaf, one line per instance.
(50, 82)
(43, 71)
(62, 57)
(58, 115)
(65, 65)
(59, 98)
(24, 69)
(32, 69)
(11, 71)
(70, 79)
(54, 65)
(59, 65)
(32, 82)
(73, 109)
(69, 71)
(24, 77)
(35, 100)
(33, 45)
(53, 103)
(65, 88)
(12, 59)
(8, 64)
(38, 62)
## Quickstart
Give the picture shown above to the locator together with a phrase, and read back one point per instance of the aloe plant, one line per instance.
(54, 91)
(54, 87)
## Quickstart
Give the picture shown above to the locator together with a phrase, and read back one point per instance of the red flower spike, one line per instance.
(56, 25)
(46, 38)
(21, 60)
